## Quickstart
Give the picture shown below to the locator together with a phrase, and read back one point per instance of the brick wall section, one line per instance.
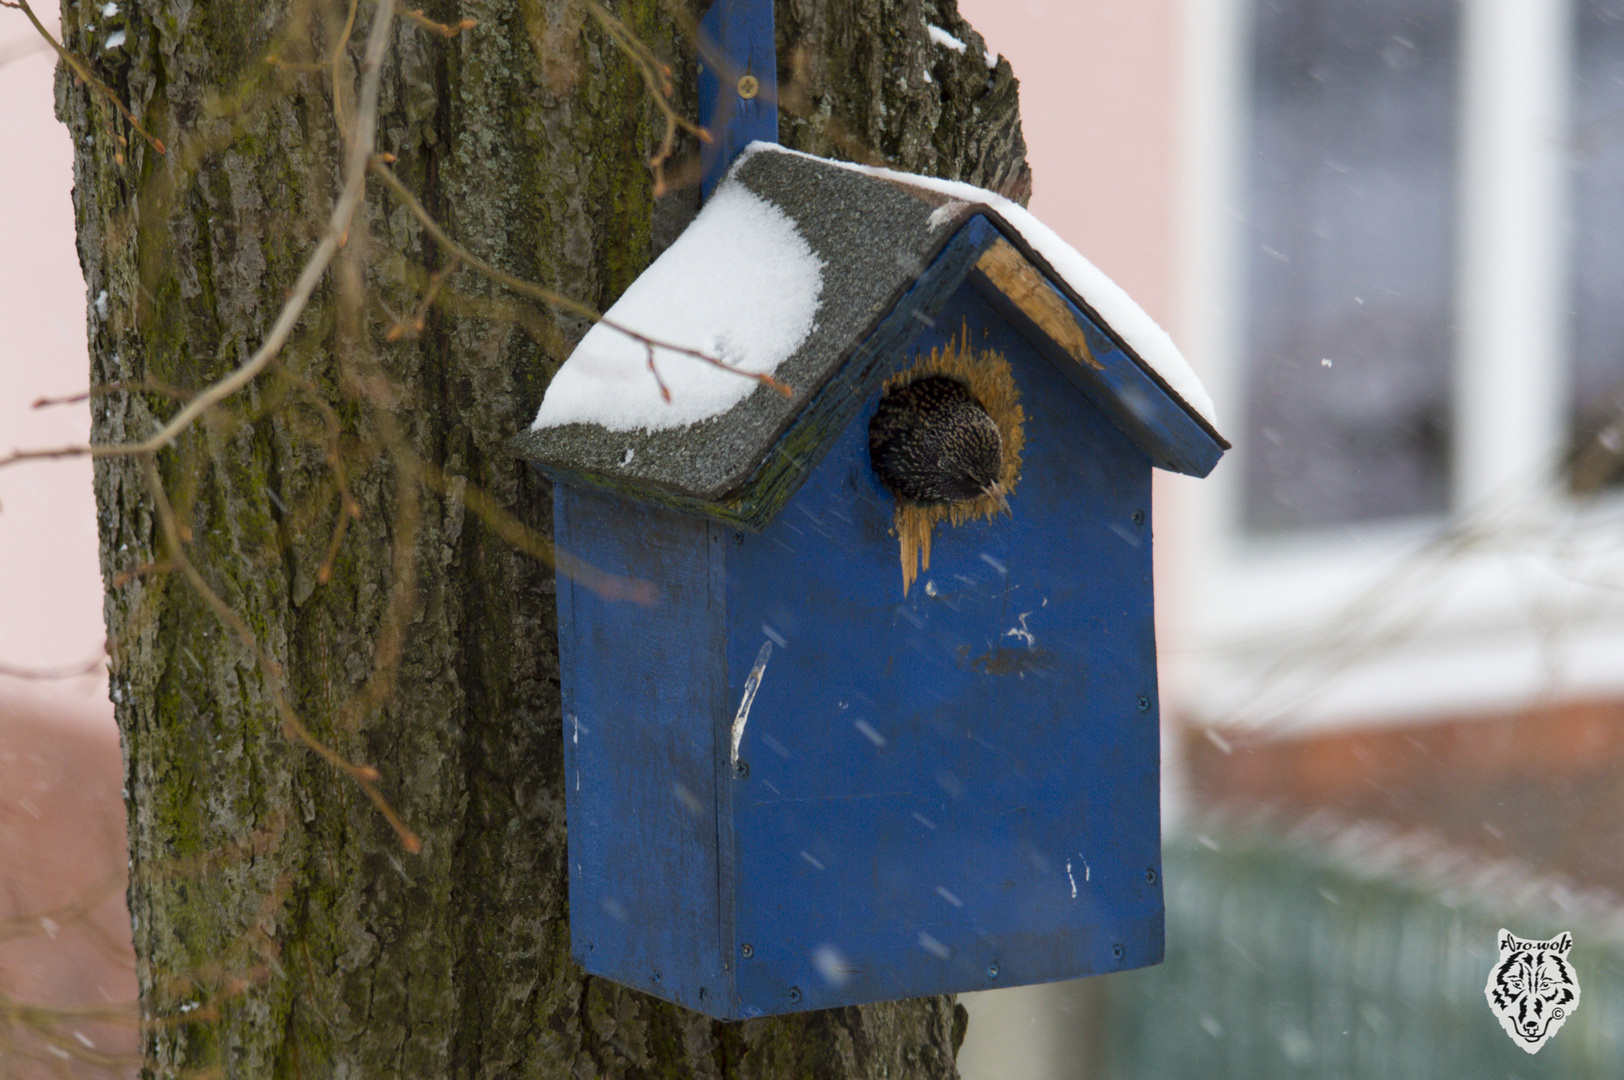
(1543, 786)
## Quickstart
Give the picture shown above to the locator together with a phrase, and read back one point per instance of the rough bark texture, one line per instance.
(282, 929)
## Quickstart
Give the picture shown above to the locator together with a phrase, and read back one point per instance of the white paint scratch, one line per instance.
(934, 947)
(813, 862)
(751, 685)
(778, 639)
(994, 563)
(942, 891)
(576, 736)
(1022, 632)
(1071, 879)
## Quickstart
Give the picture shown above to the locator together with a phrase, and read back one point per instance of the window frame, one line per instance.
(1516, 595)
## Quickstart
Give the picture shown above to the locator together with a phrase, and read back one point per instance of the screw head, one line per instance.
(1150, 876)
(738, 537)
(1138, 517)
(992, 971)
(741, 769)
(746, 951)
(1144, 702)
(749, 87)
(1117, 951)
(794, 994)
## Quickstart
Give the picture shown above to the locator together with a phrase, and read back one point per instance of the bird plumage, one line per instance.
(931, 441)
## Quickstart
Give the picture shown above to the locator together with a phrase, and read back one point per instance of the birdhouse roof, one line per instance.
(817, 274)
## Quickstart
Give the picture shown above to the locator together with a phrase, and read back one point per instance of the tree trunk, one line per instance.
(283, 927)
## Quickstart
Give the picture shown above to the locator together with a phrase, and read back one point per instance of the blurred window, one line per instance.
(1596, 161)
(1350, 187)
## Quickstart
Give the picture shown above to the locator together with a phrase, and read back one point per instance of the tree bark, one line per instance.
(282, 927)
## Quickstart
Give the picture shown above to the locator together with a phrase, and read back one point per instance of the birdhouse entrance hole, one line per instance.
(987, 376)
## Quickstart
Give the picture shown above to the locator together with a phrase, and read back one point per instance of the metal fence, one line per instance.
(1353, 959)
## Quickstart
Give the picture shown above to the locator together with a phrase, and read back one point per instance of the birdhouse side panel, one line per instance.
(957, 788)
(641, 658)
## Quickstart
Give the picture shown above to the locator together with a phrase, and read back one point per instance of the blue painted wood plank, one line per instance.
(640, 685)
(735, 41)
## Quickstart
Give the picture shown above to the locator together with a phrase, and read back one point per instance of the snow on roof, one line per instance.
(1141, 333)
(751, 307)
(792, 267)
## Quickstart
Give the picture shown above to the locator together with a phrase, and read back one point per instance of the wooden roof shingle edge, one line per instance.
(893, 254)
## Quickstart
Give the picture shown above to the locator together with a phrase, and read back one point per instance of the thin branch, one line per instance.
(657, 77)
(364, 775)
(419, 320)
(546, 295)
(135, 386)
(89, 667)
(366, 123)
(331, 63)
(81, 69)
(389, 648)
(42, 455)
(446, 30)
(527, 540)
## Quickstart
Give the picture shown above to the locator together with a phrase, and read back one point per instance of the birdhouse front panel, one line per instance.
(955, 789)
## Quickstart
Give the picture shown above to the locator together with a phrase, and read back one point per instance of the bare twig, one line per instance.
(89, 667)
(333, 55)
(657, 77)
(546, 295)
(134, 386)
(541, 548)
(419, 320)
(364, 775)
(82, 70)
(366, 123)
(447, 30)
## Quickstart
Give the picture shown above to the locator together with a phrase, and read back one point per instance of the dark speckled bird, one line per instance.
(931, 441)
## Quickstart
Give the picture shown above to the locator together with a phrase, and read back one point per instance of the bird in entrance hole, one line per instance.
(931, 441)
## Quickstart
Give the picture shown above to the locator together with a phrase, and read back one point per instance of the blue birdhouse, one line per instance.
(826, 742)
(853, 532)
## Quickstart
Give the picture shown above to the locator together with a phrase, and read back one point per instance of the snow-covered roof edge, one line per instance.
(1142, 334)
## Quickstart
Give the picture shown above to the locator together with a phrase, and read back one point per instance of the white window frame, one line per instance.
(1514, 598)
